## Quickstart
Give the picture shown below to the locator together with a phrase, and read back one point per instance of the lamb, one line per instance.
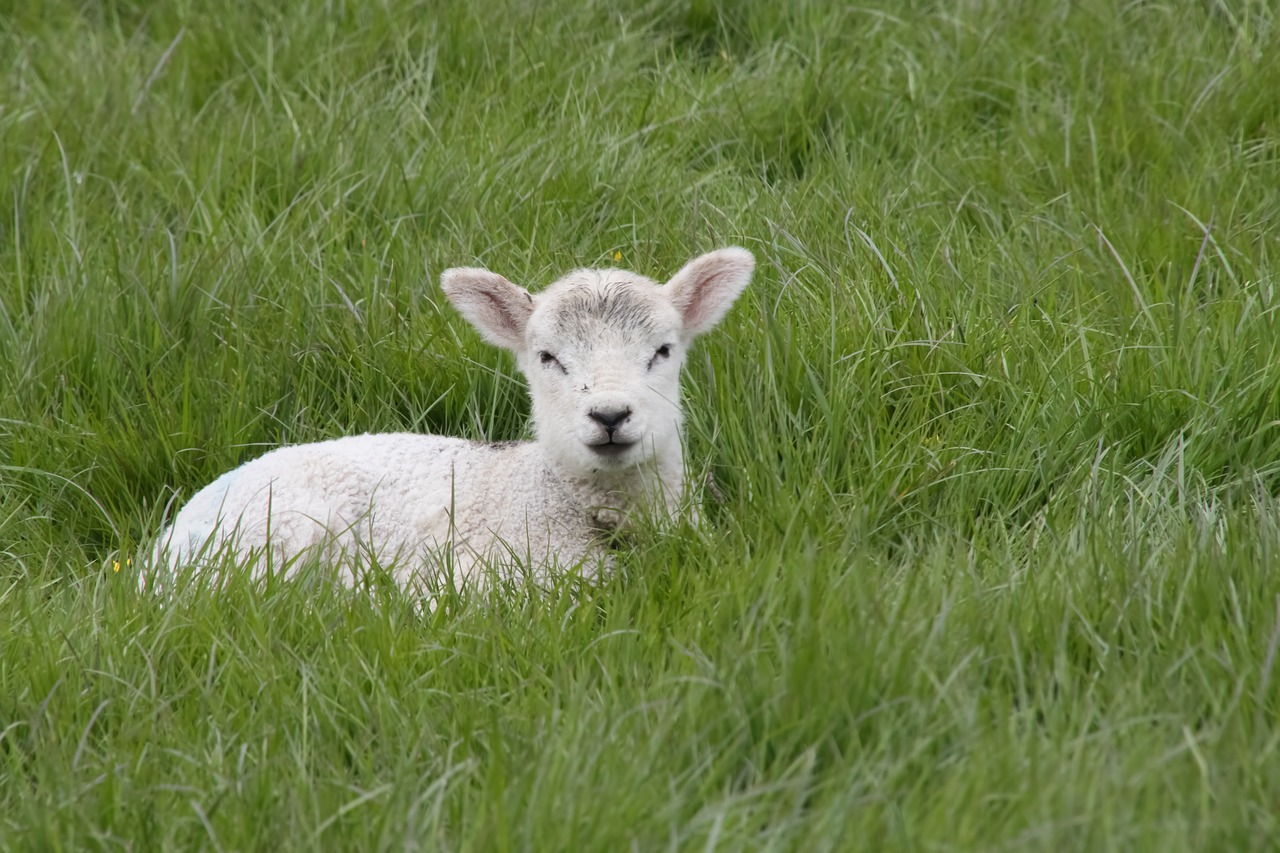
(602, 350)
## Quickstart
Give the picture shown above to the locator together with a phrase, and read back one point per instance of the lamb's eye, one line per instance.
(549, 360)
(663, 351)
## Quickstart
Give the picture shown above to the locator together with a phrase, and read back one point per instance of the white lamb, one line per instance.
(602, 350)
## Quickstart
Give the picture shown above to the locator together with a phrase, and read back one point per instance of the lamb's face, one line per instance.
(603, 351)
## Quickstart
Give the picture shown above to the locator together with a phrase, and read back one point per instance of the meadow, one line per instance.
(995, 431)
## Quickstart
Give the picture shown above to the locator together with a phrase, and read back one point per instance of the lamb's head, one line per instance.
(602, 350)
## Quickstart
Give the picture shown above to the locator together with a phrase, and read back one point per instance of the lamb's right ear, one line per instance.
(495, 306)
(707, 286)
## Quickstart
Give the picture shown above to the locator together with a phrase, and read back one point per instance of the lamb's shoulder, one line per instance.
(482, 501)
(500, 487)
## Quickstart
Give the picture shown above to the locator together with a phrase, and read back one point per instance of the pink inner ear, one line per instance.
(507, 312)
(495, 306)
(703, 299)
(503, 312)
(707, 286)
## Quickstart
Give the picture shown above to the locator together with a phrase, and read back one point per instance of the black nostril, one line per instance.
(610, 418)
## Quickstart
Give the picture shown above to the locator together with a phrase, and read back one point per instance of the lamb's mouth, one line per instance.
(611, 449)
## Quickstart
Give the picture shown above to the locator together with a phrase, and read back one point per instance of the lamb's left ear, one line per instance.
(495, 306)
(707, 286)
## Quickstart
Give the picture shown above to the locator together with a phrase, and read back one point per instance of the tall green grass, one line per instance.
(996, 427)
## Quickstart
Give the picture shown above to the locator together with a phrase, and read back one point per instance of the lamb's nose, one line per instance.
(610, 419)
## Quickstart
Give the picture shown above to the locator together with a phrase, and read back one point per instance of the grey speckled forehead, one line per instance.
(588, 301)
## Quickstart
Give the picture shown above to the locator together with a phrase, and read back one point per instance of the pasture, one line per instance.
(992, 560)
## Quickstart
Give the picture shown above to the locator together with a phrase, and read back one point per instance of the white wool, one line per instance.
(602, 350)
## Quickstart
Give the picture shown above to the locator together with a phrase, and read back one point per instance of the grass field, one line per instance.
(997, 425)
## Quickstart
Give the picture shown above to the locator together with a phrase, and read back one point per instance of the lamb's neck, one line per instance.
(611, 499)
